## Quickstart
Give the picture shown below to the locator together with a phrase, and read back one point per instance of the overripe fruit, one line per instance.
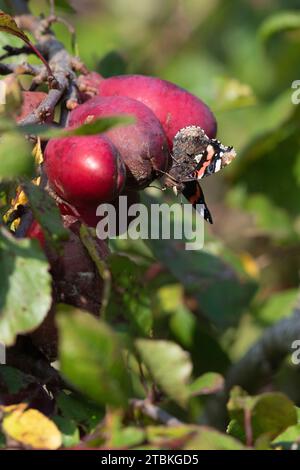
(142, 145)
(84, 170)
(174, 107)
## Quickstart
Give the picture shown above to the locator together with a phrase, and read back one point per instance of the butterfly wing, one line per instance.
(215, 157)
(192, 191)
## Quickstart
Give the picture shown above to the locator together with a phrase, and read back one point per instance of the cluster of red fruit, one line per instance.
(88, 170)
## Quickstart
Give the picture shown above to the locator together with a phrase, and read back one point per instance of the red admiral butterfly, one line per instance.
(196, 156)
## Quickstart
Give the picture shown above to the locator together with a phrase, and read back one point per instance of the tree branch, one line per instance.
(60, 62)
(62, 85)
(155, 413)
(265, 356)
(15, 51)
(21, 69)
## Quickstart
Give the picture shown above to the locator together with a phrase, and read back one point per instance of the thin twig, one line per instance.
(60, 62)
(154, 412)
(248, 427)
(48, 22)
(15, 51)
(21, 69)
(52, 7)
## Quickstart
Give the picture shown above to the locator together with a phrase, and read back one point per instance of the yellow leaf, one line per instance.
(250, 265)
(31, 428)
(13, 96)
(20, 199)
(8, 24)
(20, 407)
(38, 153)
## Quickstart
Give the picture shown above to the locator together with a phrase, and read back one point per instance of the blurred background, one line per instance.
(241, 57)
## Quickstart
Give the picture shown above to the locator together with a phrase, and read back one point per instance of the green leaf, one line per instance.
(222, 293)
(158, 434)
(5, 6)
(8, 25)
(296, 169)
(223, 290)
(13, 379)
(233, 94)
(68, 429)
(65, 6)
(279, 22)
(270, 413)
(130, 298)
(270, 218)
(209, 439)
(188, 331)
(236, 430)
(208, 383)
(46, 213)
(15, 156)
(276, 136)
(289, 439)
(278, 306)
(97, 126)
(91, 357)
(113, 63)
(25, 288)
(78, 409)
(127, 437)
(169, 365)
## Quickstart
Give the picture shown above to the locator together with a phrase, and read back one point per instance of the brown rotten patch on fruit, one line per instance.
(142, 145)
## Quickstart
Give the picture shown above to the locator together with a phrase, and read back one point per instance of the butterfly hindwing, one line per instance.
(193, 193)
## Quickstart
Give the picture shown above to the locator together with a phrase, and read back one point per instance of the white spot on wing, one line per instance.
(218, 165)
